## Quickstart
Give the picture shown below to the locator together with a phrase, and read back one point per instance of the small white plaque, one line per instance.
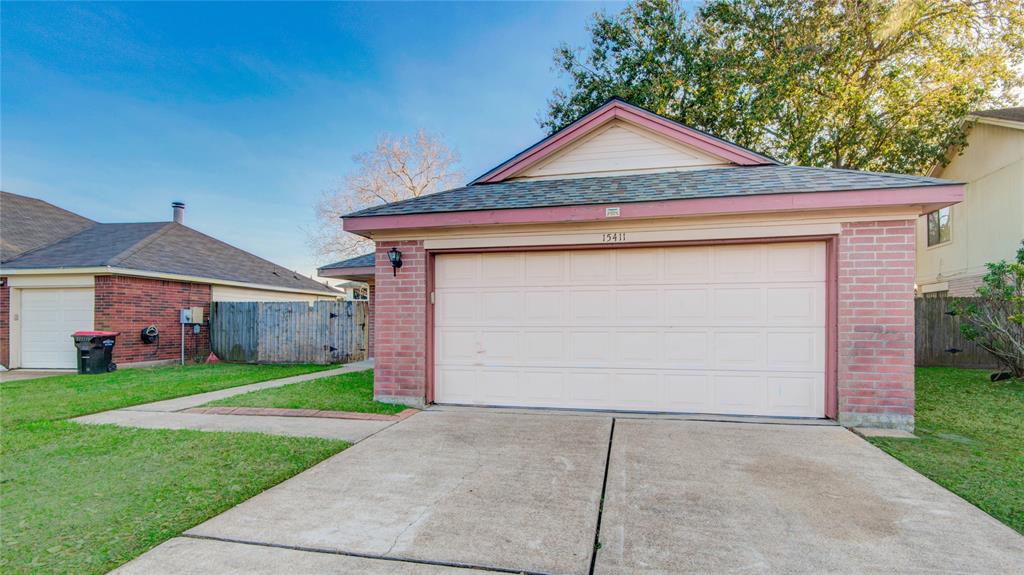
(611, 212)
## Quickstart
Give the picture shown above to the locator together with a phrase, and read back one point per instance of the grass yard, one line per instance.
(64, 396)
(345, 392)
(971, 439)
(85, 498)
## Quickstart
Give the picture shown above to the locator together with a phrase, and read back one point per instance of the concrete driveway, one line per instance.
(475, 491)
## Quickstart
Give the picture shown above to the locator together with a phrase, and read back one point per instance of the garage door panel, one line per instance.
(457, 270)
(795, 350)
(688, 349)
(687, 266)
(543, 346)
(742, 263)
(641, 265)
(501, 269)
(590, 306)
(644, 347)
(689, 306)
(501, 306)
(590, 266)
(715, 329)
(738, 306)
(796, 262)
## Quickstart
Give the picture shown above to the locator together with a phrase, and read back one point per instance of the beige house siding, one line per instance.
(232, 293)
(989, 224)
(620, 148)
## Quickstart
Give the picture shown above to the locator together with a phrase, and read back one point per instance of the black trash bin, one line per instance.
(94, 350)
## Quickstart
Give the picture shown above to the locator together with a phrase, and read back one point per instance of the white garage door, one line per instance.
(712, 329)
(48, 318)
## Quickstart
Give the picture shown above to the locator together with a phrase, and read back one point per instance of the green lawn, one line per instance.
(84, 498)
(971, 439)
(346, 392)
(64, 396)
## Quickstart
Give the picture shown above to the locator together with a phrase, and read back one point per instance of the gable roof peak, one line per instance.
(618, 108)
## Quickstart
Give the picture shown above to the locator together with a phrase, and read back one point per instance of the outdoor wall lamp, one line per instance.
(396, 260)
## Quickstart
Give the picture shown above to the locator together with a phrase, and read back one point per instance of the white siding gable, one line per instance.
(621, 148)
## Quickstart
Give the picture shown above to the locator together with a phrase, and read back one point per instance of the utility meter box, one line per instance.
(197, 314)
(186, 316)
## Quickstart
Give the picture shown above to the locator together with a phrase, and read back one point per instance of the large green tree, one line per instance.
(879, 85)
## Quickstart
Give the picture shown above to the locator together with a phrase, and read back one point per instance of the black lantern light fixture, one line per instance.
(396, 260)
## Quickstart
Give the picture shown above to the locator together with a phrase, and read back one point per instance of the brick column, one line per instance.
(876, 324)
(400, 367)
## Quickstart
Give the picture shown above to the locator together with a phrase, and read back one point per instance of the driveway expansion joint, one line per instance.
(600, 506)
(364, 555)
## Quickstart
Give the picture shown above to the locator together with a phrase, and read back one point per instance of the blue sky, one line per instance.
(248, 112)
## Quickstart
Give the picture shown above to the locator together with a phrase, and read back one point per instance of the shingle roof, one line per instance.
(720, 182)
(29, 224)
(164, 247)
(1012, 114)
(363, 261)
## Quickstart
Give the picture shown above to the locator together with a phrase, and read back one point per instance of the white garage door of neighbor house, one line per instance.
(731, 329)
(48, 318)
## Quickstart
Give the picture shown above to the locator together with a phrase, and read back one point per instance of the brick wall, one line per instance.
(876, 324)
(400, 325)
(5, 323)
(128, 304)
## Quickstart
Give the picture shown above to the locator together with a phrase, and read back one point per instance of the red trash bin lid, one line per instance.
(97, 333)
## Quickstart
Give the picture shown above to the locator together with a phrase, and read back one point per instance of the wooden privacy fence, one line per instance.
(289, 332)
(937, 332)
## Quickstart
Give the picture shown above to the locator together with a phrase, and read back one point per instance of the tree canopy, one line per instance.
(880, 85)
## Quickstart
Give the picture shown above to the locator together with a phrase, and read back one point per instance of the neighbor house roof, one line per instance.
(29, 224)
(720, 182)
(1011, 114)
(365, 260)
(163, 247)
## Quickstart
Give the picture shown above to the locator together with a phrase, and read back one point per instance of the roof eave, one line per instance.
(924, 198)
(94, 270)
(354, 273)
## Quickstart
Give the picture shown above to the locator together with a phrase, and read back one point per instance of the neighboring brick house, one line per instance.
(954, 243)
(628, 262)
(62, 272)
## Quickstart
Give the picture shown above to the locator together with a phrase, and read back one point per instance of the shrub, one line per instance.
(996, 320)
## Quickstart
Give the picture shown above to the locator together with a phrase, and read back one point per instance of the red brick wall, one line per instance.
(400, 325)
(128, 304)
(5, 323)
(876, 324)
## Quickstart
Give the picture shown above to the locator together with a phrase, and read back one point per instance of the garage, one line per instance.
(48, 318)
(724, 329)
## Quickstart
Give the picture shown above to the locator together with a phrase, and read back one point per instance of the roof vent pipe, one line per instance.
(179, 212)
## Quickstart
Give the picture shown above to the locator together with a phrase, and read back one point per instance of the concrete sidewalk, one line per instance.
(168, 414)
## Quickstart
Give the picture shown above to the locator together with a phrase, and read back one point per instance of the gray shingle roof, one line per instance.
(165, 247)
(722, 182)
(29, 224)
(363, 261)
(1012, 114)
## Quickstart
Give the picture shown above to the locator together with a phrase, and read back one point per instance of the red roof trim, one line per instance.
(928, 197)
(627, 112)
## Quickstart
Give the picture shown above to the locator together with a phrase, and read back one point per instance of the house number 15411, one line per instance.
(613, 237)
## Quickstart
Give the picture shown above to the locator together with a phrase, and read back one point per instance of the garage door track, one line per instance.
(476, 491)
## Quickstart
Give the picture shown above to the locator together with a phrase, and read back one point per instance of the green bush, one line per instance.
(996, 320)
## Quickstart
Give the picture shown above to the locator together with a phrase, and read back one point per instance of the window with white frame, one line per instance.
(939, 228)
(361, 293)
